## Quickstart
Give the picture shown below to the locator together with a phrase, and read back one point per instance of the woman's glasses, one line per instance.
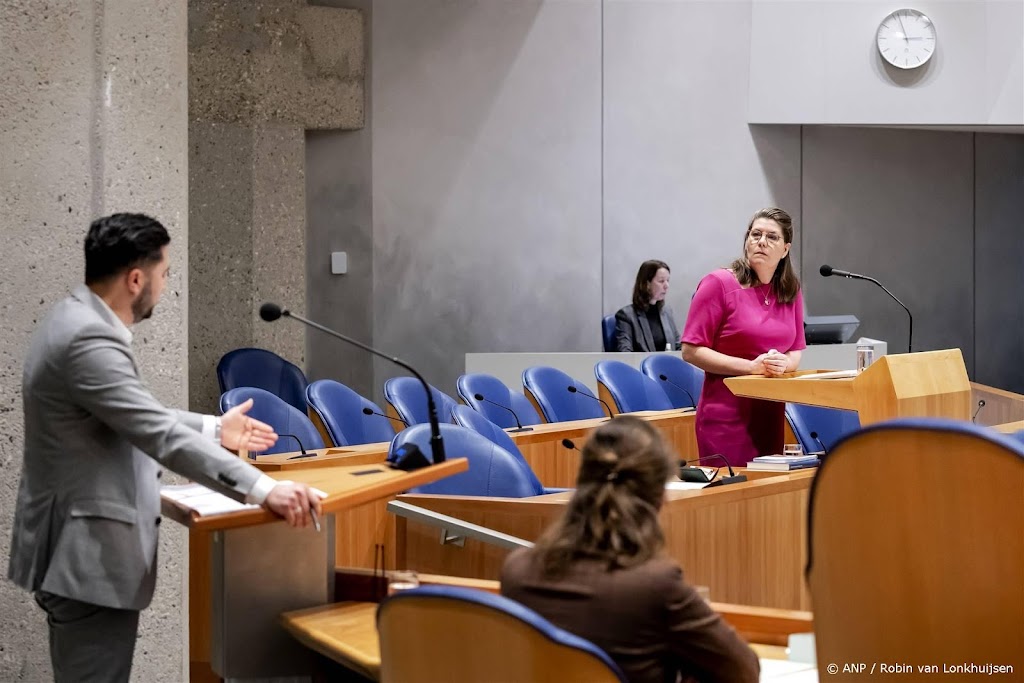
(772, 237)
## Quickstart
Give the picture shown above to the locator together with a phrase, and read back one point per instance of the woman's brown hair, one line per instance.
(613, 516)
(641, 296)
(785, 283)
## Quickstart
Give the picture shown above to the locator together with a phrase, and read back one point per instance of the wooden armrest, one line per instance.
(765, 624)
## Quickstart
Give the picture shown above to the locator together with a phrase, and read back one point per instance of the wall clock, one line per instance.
(906, 39)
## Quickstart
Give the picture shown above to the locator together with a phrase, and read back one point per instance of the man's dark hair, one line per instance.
(120, 242)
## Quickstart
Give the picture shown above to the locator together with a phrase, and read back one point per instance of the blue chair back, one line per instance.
(493, 471)
(510, 641)
(829, 424)
(493, 389)
(249, 367)
(281, 416)
(340, 410)
(608, 333)
(406, 396)
(679, 373)
(631, 389)
(549, 387)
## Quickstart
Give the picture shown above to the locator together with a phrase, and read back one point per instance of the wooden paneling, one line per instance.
(745, 542)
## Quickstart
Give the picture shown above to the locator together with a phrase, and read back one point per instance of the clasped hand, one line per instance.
(771, 364)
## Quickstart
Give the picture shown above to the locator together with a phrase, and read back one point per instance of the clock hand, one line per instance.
(903, 27)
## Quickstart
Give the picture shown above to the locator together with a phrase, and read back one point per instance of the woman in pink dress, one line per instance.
(746, 320)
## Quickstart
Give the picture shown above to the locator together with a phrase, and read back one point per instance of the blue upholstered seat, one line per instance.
(340, 410)
(510, 641)
(631, 389)
(281, 416)
(249, 367)
(493, 389)
(493, 471)
(549, 387)
(608, 333)
(470, 419)
(406, 396)
(678, 373)
(829, 424)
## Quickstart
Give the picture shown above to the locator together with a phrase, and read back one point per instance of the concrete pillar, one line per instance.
(93, 120)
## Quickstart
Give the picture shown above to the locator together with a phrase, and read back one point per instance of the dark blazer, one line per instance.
(85, 525)
(646, 618)
(633, 333)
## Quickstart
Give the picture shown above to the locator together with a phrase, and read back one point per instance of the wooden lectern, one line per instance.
(926, 384)
(260, 567)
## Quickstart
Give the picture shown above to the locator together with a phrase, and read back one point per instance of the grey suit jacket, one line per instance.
(633, 331)
(88, 508)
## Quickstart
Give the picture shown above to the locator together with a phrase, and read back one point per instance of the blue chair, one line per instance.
(493, 471)
(249, 367)
(510, 641)
(549, 388)
(915, 542)
(406, 396)
(630, 389)
(280, 415)
(678, 373)
(493, 389)
(340, 411)
(465, 416)
(608, 333)
(819, 428)
(1018, 436)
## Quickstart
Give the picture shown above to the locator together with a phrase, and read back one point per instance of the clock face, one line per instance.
(906, 39)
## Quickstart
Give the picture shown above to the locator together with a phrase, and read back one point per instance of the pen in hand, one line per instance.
(316, 518)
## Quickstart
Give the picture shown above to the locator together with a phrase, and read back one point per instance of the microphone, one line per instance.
(302, 449)
(814, 435)
(371, 411)
(271, 312)
(829, 271)
(697, 475)
(567, 443)
(664, 378)
(981, 404)
(519, 425)
(573, 390)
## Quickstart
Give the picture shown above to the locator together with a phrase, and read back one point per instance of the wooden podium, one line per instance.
(926, 384)
(260, 567)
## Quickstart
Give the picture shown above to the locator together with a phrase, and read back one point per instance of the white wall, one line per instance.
(816, 61)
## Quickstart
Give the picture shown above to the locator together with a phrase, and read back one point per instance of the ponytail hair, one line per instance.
(613, 515)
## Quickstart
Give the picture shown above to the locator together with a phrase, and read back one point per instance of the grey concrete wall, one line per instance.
(486, 179)
(897, 205)
(259, 76)
(999, 277)
(817, 62)
(683, 172)
(94, 127)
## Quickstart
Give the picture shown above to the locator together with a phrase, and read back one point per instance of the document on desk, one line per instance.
(784, 671)
(685, 485)
(201, 500)
(838, 374)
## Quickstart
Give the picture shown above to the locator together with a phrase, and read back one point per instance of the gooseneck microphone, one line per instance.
(573, 390)
(664, 378)
(302, 449)
(814, 435)
(829, 271)
(981, 404)
(271, 312)
(690, 474)
(567, 443)
(519, 425)
(371, 411)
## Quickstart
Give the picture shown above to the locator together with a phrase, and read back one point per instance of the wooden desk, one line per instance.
(747, 542)
(1009, 427)
(346, 632)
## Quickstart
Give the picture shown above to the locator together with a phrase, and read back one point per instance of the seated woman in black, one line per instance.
(647, 324)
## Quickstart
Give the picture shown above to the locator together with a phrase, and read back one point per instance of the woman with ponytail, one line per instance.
(599, 571)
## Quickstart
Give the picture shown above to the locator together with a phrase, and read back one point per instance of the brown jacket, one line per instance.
(646, 618)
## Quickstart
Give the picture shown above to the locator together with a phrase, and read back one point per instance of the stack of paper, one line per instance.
(201, 500)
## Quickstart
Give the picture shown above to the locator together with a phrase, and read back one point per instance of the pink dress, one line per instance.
(736, 321)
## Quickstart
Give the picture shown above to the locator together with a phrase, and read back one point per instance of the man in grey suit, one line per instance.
(85, 528)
